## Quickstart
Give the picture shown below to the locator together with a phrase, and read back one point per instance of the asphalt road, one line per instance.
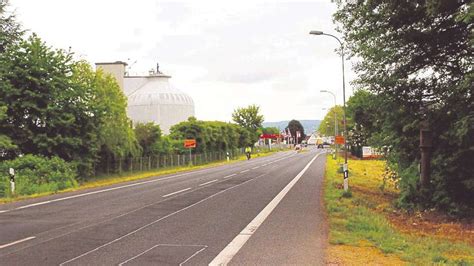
(266, 211)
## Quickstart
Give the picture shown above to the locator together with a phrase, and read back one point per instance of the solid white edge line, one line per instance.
(156, 221)
(226, 255)
(176, 192)
(207, 183)
(17, 242)
(4, 211)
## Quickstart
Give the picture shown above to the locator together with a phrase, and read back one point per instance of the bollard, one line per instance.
(12, 180)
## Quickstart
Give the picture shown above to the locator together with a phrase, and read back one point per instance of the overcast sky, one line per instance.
(224, 54)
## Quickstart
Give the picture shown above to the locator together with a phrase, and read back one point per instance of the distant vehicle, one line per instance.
(297, 147)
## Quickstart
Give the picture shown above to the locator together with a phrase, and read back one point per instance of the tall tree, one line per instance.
(327, 125)
(250, 119)
(295, 126)
(417, 55)
(10, 30)
(147, 135)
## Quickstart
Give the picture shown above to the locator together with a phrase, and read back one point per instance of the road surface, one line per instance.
(263, 211)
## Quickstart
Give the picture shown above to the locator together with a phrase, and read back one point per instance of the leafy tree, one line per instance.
(295, 125)
(148, 134)
(326, 127)
(270, 130)
(417, 56)
(250, 119)
(47, 113)
(10, 30)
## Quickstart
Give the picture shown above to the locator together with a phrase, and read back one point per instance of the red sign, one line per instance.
(270, 136)
(190, 143)
(339, 140)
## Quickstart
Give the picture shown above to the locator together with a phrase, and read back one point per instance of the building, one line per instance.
(151, 98)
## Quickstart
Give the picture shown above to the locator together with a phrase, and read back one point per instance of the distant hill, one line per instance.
(309, 125)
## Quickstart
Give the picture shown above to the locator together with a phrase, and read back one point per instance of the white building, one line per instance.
(151, 98)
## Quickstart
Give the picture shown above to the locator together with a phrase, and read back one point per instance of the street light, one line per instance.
(335, 120)
(345, 167)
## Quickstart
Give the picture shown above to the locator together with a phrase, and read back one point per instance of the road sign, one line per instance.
(339, 140)
(190, 143)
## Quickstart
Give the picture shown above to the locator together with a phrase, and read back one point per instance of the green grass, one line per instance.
(353, 221)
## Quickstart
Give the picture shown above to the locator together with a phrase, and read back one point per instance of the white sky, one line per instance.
(224, 54)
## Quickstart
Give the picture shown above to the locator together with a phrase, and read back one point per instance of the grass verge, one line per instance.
(107, 180)
(361, 233)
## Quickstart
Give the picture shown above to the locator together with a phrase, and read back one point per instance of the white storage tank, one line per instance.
(153, 99)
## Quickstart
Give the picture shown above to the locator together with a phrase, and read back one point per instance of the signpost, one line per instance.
(189, 144)
(339, 140)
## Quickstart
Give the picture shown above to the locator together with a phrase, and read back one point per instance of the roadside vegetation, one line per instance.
(63, 123)
(414, 74)
(367, 228)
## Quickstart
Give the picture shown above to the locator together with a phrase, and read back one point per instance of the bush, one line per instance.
(37, 174)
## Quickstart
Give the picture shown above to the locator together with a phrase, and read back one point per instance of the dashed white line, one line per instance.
(17, 242)
(256, 167)
(4, 211)
(176, 192)
(227, 176)
(207, 183)
(156, 221)
(244, 171)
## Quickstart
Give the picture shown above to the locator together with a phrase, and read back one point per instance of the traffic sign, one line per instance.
(190, 143)
(339, 140)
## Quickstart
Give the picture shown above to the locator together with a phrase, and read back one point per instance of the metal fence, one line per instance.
(149, 163)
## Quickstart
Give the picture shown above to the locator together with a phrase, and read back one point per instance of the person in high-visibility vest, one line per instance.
(248, 152)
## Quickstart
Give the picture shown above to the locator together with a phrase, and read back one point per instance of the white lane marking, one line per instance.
(256, 167)
(109, 189)
(192, 256)
(207, 183)
(226, 255)
(101, 191)
(17, 242)
(264, 165)
(227, 176)
(156, 221)
(244, 171)
(176, 192)
(203, 247)
(34, 204)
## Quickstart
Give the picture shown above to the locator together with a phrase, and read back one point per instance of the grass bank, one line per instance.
(106, 180)
(363, 227)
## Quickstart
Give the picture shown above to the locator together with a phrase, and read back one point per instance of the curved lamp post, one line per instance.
(335, 119)
(345, 167)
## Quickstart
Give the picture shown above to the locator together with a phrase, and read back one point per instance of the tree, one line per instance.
(417, 56)
(10, 30)
(270, 130)
(326, 127)
(147, 135)
(250, 119)
(294, 126)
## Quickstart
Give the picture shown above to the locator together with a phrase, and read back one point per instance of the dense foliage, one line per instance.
(416, 56)
(212, 135)
(250, 119)
(37, 174)
(293, 127)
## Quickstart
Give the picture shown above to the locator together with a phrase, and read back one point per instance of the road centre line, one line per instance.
(121, 215)
(226, 255)
(244, 171)
(17, 242)
(176, 192)
(203, 247)
(256, 167)
(227, 176)
(207, 183)
(158, 220)
(107, 190)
